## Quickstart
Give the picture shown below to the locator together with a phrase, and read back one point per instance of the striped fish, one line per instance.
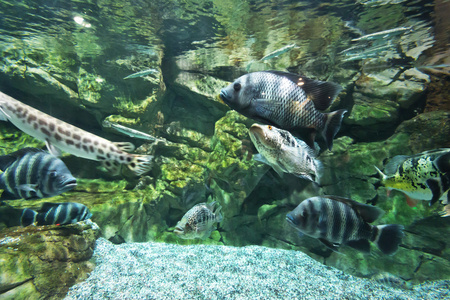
(32, 173)
(423, 176)
(335, 221)
(62, 213)
(59, 135)
(199, 221)
(284, 153)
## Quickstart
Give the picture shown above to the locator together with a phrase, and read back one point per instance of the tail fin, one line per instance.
(140, 164)
(332, 126)
(388, 237)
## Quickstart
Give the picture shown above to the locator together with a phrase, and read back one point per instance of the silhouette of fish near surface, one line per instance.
(287, 101)
(59, 135)
(199, 221)
(424, 176)
(336, 220)
(32, 173)
(284, 153)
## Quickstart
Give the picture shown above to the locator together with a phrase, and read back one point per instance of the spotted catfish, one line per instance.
(59, 135)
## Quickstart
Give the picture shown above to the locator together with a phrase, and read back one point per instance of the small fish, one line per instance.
(32, 173)
(287, 101)
(284, 153)
(278, 52)
(143, 73)
(355, 54)
(62, 213)
(388, 279)
(383, 34)
(336, 220)
(59, 135)
(424, 176)
(129, 131)
(199, 221)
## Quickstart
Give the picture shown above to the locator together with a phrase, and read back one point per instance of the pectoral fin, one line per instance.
(53, 149)
(28, 187)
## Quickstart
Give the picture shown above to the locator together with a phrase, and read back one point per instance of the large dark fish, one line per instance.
(287, 101)
(336, 221)
(59, 135)
(32, 173)
(199, 221)
(62, 213)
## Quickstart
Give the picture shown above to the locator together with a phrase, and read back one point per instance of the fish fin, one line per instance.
(55, 151)
(260, 158)
(367, 212)
(112, 166)
(388, 237)
(278, 169)
(322, 93)
(140, 164)
(382, 175)
(442, 163)
(330, 245)
(361, 245)
(445, 211)
(305, 176)
(266, 107)
(7, 160)
(410, 201)
(125, 146)
(27, 187)
(332, 126)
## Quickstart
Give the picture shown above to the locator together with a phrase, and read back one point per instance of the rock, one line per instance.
(44, 261)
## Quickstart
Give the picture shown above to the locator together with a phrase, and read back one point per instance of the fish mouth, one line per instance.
(178, 230)
(291, 221)
(225, 97)
(257, 132)
(69, 184)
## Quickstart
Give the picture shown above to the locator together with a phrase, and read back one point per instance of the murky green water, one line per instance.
(154, 69)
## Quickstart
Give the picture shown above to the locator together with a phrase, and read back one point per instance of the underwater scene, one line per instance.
(224, 149)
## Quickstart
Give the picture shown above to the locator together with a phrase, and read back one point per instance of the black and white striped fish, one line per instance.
(32, 173)
(199, 221)
(62, 213)
(335, 221)
(59, 135)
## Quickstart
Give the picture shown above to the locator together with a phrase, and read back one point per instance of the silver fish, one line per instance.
(278, 52)
(336, 220)
(59, 135)
(383, 34)
(31, 173)
(199, 221)
(284, 153)
(143, 73)
(129, 131)
(287, 101)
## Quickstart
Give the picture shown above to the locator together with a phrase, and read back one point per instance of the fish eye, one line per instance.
(237, 87)
(53, 174)
(270, 127)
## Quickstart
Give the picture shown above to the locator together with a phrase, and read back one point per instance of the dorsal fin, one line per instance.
(442, 163)
(7, 160)
(367, 212)
(321, 93)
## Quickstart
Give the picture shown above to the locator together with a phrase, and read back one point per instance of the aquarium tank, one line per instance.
(224, 149)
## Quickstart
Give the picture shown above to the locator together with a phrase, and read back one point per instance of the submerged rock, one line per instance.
(44, 261)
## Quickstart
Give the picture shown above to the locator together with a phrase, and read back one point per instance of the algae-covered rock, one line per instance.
(44, 261)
